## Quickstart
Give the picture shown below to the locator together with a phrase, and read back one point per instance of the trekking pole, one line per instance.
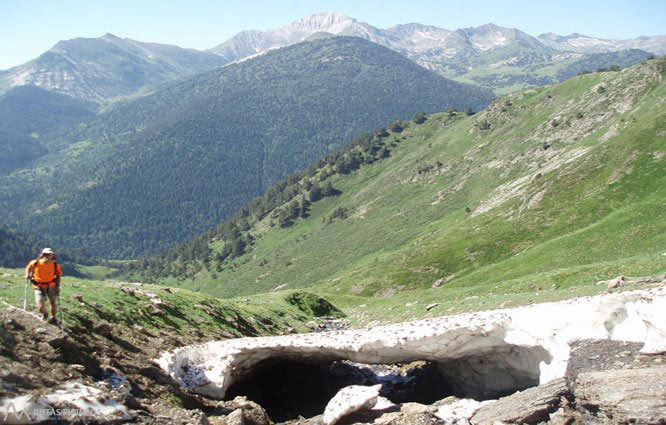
(25, 296)
(62, 324)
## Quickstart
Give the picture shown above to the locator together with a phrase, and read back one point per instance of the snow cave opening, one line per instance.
(289, 388)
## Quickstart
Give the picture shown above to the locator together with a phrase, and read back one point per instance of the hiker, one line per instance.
(44, 274)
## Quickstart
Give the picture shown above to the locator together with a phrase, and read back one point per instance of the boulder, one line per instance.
(525, 407)
(252, 413)
(617, 282)
(624, 395)
(453, 410)
(348, 400)
(235, 418)
(103, 328)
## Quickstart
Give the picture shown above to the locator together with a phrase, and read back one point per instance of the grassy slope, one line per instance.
(588, 207)
(190, 315)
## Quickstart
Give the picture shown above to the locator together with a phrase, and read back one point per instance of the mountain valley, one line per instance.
(329, 223)
(545, 189)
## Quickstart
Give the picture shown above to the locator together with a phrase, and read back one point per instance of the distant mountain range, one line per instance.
(162, 168)
(504, 59)
(585, 44)
(98, 69)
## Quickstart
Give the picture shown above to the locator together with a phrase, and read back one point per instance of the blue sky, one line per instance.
(30, 27)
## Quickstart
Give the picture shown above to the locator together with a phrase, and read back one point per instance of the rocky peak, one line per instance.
(328, 22)
(109, 36)
(418, 36)
(491, 36)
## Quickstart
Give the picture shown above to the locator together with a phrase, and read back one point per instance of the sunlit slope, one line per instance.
(546, 188)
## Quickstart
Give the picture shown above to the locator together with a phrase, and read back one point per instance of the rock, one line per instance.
(103, 328)
(348, 400)
(77, 297)
(154, 311)
(235, 418)
(438, 283)
(129, 291)
(55, 337)
(7, 337)
(562, 417)
(617, 282)
(648, 280)
(624, 395)
(431, 306)
(453, 410)
(414, 408)
(252, 413)
(279, 287)
(7, 275)
(530, 406)
(78, 368)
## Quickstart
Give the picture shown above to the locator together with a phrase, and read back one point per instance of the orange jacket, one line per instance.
(44, 274)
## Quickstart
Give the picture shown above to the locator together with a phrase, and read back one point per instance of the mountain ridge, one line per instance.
(103, 68)
(581, 43)
(492, 56)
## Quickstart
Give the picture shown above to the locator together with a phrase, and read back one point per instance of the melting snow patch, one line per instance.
(74, 401)
(481, 354)
(348, 400)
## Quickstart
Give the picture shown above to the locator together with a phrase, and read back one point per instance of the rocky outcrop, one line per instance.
(624, 395)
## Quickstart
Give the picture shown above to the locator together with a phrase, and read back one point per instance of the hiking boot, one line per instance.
(44, 317)
(53, 321)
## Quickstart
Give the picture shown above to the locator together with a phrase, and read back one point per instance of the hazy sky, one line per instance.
(30, 27)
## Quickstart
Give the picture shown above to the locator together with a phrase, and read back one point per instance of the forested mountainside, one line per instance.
(17, 249)
(547, 188)
(100, 69)
(161, 169)
(28, 114)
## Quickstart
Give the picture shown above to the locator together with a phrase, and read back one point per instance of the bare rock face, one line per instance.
(624, 395)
